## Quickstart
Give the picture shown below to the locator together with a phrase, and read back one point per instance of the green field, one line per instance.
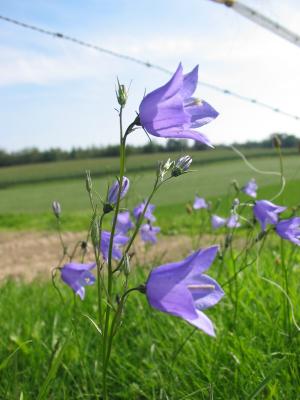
(65, 170)
(28, 206)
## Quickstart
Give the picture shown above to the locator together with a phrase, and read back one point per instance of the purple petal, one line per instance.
(205, 297)
(190, 82)
(201, 114)
(175, 300)
(217, 222)
(203, 322)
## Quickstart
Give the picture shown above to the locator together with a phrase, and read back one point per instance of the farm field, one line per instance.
(28, 206)
(49, 346)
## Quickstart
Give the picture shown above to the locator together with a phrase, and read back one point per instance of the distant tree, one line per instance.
(177, 145)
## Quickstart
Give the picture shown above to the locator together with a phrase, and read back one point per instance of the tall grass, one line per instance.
(251, 357)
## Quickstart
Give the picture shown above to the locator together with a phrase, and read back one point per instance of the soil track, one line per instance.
(30, 255)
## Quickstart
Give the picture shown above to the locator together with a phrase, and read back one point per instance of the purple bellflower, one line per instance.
(217, 222)
(199, 203)
(113, 192)
(119, 240)
(250, 188)
(138, 210)
(124, 223)
(77, 276)
(181, 289)
(171, 112)
(233, 221)
(289, 229)
(149, 232)
(267, 213)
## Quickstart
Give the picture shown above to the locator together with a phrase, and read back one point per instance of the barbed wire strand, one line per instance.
(144, 63)
(261, 20)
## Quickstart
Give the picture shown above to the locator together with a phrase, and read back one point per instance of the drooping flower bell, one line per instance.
(149, 232)
(267, 213)
(251, 188)
(171, 111)
(233, 221)
(138, 211)
(217, 221)
(124, 223)
(289, 229)
(114, 190)
(77, 276)
(181, 289)
(199, 203)
(118, 241)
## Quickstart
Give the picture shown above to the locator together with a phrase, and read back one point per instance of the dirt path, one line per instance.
(28, 255)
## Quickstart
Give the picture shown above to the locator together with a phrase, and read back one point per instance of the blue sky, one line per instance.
(56, 94)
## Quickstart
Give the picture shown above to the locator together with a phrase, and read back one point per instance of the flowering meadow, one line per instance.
(217, 318)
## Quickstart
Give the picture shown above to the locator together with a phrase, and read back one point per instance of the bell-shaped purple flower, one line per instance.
(77, 276)
(199, 202)
(251, 188)
(289, 229)
(138, 210)
(181, 289)
(113, 192)
(217, 222)
(233, 221)
(149, 232)
(124, 223)
(118, 241)
(267, 213)
(171, 111)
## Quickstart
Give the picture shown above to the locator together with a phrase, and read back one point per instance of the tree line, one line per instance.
(34, 155)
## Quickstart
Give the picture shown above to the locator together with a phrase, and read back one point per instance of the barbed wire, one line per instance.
(144, 63)
(261, 20)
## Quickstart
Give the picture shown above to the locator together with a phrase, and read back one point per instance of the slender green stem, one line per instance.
(287, 319)
(108, 333)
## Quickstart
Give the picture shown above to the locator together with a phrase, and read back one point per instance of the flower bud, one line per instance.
(56, 208)
(126, 265)
(122, 94)
(235, 204)
(181, 166)
(113, 192)
(189, 208)
(276, 142)
(95, 234)
(88, 182)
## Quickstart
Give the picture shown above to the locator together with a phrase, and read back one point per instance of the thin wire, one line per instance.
(145, 64)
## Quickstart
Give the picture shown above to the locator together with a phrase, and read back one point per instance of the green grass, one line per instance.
(50, 350)
(28, 206)
(252, 353)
